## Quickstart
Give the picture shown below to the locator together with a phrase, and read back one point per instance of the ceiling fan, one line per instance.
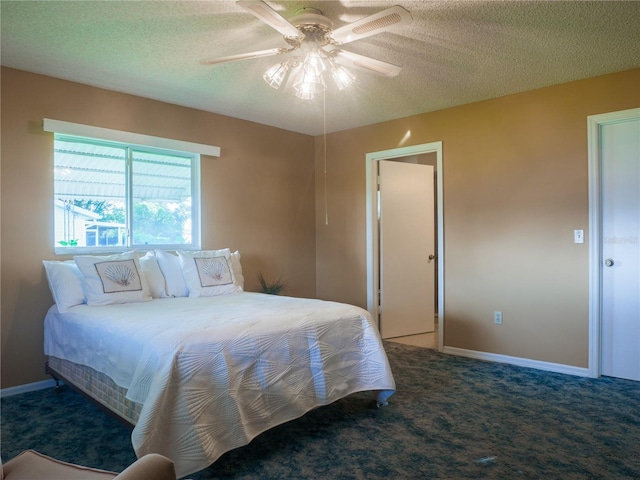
(316, 47)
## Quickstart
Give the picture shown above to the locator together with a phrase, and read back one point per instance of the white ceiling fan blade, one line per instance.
(371, 65)
(243, 56)
(372, 25)
(269, 16)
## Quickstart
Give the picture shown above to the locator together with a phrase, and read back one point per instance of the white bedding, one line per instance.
(214, 372)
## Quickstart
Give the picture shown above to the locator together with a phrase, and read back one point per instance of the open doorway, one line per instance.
(430, 153)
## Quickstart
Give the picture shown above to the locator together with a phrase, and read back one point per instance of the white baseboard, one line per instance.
(29, 387)
(521, 362)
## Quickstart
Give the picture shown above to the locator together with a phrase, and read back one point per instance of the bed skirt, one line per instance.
(97, 386)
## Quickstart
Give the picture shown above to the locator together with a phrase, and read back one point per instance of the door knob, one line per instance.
(432, 256)
(609, 262)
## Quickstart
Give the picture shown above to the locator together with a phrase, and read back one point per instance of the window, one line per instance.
(112, 195)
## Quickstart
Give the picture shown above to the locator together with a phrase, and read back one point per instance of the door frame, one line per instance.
(595, 231)
(373, 267)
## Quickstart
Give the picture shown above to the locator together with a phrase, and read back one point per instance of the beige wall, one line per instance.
(258, 197)
(515, 188)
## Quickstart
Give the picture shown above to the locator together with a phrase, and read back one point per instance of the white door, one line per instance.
(407, 249)
(620, 160)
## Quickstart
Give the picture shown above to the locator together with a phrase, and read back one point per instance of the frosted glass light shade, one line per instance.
(309, 85)
(275, 75)
(342, 77)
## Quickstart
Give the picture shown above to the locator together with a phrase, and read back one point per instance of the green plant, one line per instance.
(70, 243)
(272, 287)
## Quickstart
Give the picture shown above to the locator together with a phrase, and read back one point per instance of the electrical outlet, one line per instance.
(497, 318)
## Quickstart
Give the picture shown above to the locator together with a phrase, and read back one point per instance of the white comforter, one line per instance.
(214, 372)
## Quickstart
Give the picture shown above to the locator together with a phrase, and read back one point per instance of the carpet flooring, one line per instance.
(451, 418)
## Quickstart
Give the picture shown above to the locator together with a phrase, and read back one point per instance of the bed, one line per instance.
(200, 375)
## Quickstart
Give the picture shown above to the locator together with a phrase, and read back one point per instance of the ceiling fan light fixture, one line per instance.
(275, 75)
(304, 95)
(309, 85)
(342, 77)
(314, 62)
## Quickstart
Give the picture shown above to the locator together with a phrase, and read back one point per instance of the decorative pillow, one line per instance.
(172, 272)
(113, 279)
(153, 275)
(208, 272)
(237, 269)
(65, 282)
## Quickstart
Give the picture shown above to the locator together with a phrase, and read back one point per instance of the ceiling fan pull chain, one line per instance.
(324, 136)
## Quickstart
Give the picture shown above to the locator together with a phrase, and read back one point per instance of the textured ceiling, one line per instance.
(453, 52)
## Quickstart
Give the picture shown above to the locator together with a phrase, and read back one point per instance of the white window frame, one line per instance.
(137, 140)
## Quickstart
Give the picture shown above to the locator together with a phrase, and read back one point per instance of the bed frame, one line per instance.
(96, 387)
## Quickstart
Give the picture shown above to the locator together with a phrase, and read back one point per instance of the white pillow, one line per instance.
(172, 271)
(65, 282)
(237, 269)
(208, 272)
(113, 278)
(153, 275)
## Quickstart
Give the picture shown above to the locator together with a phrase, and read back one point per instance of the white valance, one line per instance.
(88, 131)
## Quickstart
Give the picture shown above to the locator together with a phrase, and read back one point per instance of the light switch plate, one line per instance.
(578, 236)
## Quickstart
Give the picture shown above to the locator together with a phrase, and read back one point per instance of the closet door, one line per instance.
(620, 163)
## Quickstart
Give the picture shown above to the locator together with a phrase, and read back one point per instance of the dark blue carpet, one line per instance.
(451, 418)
